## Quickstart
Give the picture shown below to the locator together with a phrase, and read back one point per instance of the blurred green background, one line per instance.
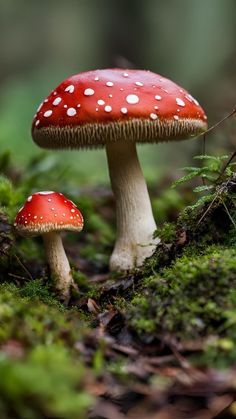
(42, 42)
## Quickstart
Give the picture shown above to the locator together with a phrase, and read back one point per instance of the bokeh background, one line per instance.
(42, 42)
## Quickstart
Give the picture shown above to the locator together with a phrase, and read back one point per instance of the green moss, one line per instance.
(48, 383)
(191, 298)
(44, 379)
(39, 291)
(81, 280)
(25, 318)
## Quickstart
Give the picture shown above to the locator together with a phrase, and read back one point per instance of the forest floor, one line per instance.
(159, 342)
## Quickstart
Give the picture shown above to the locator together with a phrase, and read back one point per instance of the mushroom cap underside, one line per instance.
(95, 135)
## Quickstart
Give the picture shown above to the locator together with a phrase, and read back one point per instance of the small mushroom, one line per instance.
(47, 213)
(118, 108)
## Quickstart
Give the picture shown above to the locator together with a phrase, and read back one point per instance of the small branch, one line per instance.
(220, 191)
(226, 165)
(208, 209)
(23, 266)
(228, 213)
(219, 122)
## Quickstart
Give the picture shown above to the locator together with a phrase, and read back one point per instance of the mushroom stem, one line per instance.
(135, 222)
(58, 263)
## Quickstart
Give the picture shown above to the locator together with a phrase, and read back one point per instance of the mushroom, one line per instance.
(47, 213)
(117, 109)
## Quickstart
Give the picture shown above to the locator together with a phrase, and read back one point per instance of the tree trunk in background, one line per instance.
(125, 34)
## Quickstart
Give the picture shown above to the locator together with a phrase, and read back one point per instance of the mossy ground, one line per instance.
(56, 361)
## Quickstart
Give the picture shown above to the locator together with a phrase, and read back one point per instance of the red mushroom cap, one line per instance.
(97, 107)
(47, 211)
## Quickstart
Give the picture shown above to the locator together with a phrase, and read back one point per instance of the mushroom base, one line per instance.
(135, 222)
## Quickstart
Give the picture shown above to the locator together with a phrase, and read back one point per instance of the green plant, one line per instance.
(217, 174)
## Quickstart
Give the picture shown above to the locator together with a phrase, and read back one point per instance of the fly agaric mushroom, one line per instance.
(116, 109)
(47, 213)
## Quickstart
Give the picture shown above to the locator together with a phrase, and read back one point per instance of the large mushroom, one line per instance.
(117, 109)
(46, 214)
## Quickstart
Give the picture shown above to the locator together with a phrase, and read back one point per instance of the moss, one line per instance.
(191, 298)
(41, 374)
(25, 318)
(39, 291)
(81, 280)
(48, 383)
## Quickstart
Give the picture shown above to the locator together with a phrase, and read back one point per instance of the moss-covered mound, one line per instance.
(41, 375)
(193, 297)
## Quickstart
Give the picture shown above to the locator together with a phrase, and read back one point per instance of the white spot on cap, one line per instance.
(37, 122)
(192, 99)
(47, 113)
(45, 192)
(72, 210)
(35, 217)
(56, 101)
(125, 75)
(79, 105)
(46, 100)
(70, 88)
(55, 93)
(100, 102)
(109, 84)
(108, 108)
(65, 106)
(180, 102)
(40, 106)
(176, 117)
(153, 116)
(132, 99)
(158, 97)
(96, 78)
(124, 110)
(89, 92)
(96, 109)
(30, 198)
(121, 89)
(156, 107)
(71, 112)
(110, 95)
(138, 83)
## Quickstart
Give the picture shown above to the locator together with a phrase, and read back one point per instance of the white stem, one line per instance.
(58, 263)
(135, 222)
